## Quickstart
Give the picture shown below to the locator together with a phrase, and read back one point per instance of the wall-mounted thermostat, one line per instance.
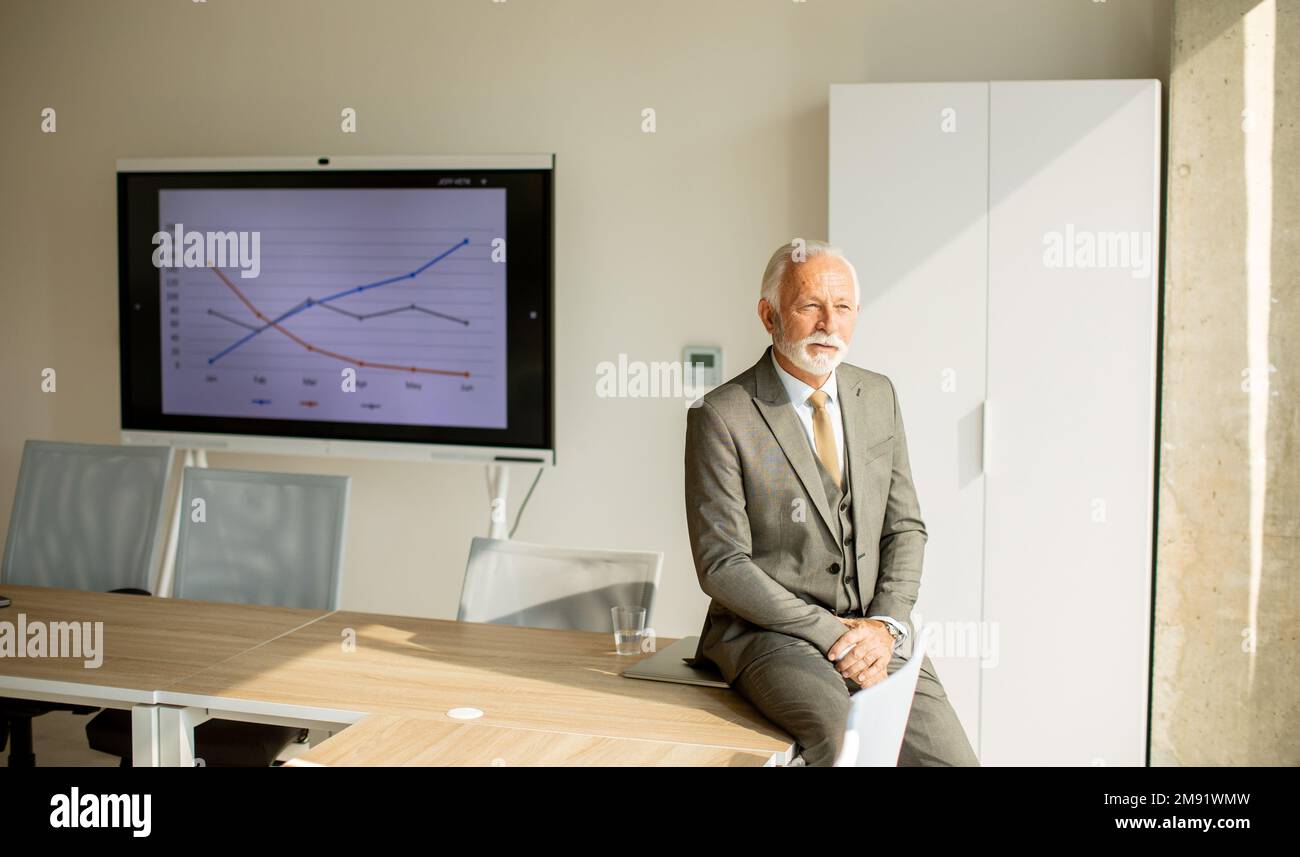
(706, 363)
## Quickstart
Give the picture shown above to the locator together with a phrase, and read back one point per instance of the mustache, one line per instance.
(819, 338)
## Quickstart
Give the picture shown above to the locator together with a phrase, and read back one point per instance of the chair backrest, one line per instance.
(539, 586)
(261, 538)
(878, 716)
(86, 516)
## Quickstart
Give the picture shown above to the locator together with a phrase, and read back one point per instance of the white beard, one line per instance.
(797, 352)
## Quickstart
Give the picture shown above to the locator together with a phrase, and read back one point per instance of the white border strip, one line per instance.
(259, 711)
(326, 448)
(73, 693)
(344, 162)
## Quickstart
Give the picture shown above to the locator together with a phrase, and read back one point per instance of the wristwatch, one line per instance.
(894, 632)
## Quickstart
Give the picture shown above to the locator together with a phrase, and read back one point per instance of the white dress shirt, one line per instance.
(799, 392)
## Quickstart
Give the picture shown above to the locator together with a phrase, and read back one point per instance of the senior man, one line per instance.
(804, 522)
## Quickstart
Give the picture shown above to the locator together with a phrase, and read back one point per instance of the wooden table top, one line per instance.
(549, 695)
(401, 741)
(147, 643)
(527, 678)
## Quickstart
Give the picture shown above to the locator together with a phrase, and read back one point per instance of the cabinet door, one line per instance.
(1073, 249)
(908, 204)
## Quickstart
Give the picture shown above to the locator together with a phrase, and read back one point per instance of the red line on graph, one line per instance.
(315, 349)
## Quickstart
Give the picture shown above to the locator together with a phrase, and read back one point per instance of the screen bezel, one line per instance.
(529, 181)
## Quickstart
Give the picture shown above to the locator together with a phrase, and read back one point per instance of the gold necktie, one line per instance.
(824, 436)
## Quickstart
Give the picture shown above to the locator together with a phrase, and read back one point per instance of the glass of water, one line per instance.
(629, 629)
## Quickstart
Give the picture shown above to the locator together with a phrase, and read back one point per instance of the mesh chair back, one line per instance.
(261, 538)
(86, 516)
(539, 586)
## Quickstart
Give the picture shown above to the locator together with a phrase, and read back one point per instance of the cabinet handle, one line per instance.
(986, 426)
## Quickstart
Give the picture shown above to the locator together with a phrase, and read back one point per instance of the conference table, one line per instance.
(389, 690)
(381, 739)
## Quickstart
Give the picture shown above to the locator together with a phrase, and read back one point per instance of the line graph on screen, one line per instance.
(399, 286)
(328, 303)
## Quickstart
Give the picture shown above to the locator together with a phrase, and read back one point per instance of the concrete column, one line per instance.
(1228, 553)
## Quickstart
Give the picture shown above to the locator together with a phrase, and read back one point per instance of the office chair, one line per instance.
(539, 586)
(85, 516)
(260, 538)
(873, 734)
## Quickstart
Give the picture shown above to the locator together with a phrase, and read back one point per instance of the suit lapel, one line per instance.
(853, 409)
(774, 405)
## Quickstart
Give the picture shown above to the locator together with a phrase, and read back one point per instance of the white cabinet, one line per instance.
(1006, 239)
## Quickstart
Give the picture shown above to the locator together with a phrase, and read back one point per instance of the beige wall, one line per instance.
(1229, 535)
(660, 239)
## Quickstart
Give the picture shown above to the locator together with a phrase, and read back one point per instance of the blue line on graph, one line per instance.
(311, 302)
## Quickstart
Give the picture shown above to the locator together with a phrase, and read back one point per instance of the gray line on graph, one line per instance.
(225, 317)
(362, 316)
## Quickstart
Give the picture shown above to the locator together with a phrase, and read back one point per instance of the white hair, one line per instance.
(779, 265)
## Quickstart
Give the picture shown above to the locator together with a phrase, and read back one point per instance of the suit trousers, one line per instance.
(798, 689)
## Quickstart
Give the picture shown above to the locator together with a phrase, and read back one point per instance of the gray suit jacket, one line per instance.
(749, 471)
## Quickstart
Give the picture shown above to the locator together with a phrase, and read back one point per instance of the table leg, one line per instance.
(144, 736)
(176, 735)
